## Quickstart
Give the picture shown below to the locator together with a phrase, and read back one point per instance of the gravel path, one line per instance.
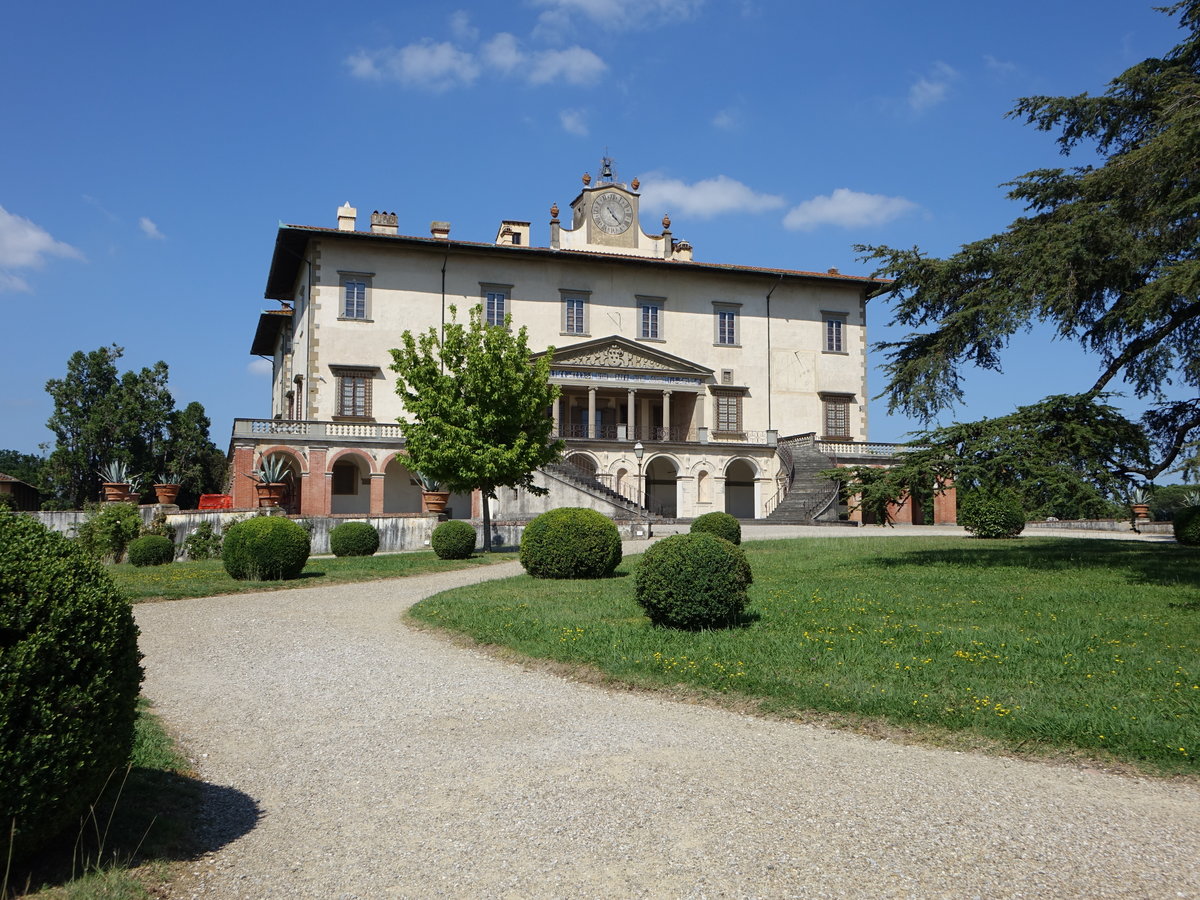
(352, 757)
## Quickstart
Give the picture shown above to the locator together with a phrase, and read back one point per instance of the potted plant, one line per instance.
(167, 487)
(272, 474)
(1139, 502)
(114, 477)
(433, 497)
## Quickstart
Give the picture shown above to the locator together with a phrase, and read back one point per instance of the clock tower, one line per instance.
(606, 210)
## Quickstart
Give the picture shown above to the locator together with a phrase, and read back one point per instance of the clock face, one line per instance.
(612, 213)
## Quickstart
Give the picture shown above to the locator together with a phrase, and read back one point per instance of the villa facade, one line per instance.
(684, 383)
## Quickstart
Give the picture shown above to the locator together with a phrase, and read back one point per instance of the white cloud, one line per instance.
(930, 90)
(259, 366)
(150, 229)
(705, 199)
(436, 67)
(575, 65)
(574, 122)
(560, 16)
(503, 52)
(999, 67)
(24, 245)
(727, 120)
(439, 67)
(461, 27)
(846, 209)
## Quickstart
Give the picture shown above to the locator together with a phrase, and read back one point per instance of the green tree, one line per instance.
(1062, 457)
(24, 467)
(476, 407)
(1107, 255)
(100, 415)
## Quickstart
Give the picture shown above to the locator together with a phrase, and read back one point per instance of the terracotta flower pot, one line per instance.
(1140, 510)
(166, 493)
(115, 491)
(270, 493)
(434, 501)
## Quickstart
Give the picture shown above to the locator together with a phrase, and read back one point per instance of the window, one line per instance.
(726, 324)
(575, 313)
(650, 318)
(729, 412)
(355, 291)
(837, 416)
(727, 376)
(354, 392)
(835, 327)
(495, 303)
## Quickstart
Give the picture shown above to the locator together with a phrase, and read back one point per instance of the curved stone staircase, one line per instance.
(810, 495)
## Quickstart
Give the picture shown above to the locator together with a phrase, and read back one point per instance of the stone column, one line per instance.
(644, 416)
(244, 495)
(314, 495)
(631, 416)
(945, 503)
(901, 512)
(555, 416)
(667, 414)
(591, 419)
(377, 485)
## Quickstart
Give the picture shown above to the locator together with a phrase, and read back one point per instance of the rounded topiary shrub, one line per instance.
(265, 548)
(571, 543)
(693, 581)
(151, 550)
(354, 539)
(722, 524)
(69, 678)
(453, 539)
(1186, 526)
(991, 515)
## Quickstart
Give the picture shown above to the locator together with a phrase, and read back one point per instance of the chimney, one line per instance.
(346, 217)
(440, 230)
(383, 223)
(833, 270)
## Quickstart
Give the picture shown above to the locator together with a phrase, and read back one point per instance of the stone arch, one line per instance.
(741, 489)
(297, 470)
(662, 484)
(339, 455)
(703, 486)
(584, 461)
(350, 482)
(401, 492)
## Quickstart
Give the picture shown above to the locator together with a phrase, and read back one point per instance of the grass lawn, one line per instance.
(123, 851)
(205, 578)
(1085, 648)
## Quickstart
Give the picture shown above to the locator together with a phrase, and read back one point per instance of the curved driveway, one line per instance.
(386, 762)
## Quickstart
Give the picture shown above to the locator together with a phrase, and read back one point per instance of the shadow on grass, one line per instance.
(1160, 564)
(155, 816)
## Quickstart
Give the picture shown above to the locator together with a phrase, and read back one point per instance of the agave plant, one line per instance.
(167, 478)
(115, 471)
(1140, 494)
(427, 482)
(272, 469)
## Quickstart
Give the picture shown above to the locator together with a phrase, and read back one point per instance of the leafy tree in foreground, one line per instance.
(475, 407)
(1108, 255)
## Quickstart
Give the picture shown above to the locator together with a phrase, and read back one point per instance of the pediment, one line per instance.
(621, 354)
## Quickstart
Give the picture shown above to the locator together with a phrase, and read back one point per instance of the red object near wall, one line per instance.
(215, 501)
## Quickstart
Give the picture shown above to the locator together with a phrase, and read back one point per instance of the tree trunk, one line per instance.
(485, 495)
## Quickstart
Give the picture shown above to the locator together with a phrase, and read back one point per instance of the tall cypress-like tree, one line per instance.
(1108, 256)
(476, 407)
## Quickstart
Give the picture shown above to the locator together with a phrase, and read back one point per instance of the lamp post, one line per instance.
(639, 451)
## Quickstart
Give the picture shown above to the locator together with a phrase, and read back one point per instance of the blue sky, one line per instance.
(151, 149)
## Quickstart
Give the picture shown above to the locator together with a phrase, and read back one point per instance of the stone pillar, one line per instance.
(901, 511)
(555, 416)
(244, 495)
(856, 513)
(631, 415)
(945, 503)
(644, 416)
(667, 414)
(591, 420)
(377, 486)
(314, 497)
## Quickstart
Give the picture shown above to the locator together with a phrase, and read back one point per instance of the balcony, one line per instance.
(377, 432)
(654, 434)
